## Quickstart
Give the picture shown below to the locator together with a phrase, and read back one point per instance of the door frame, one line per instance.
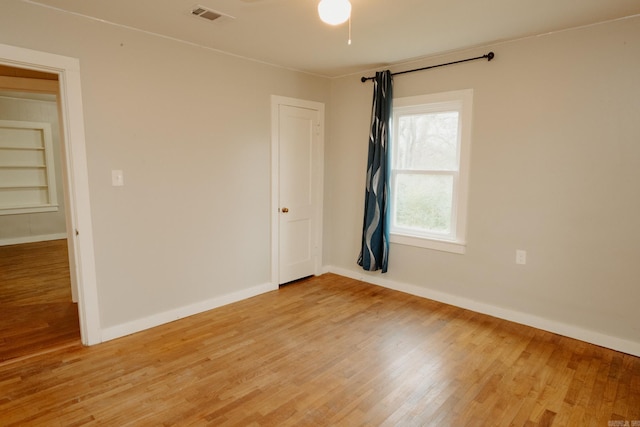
(80, 232)
(276, 102)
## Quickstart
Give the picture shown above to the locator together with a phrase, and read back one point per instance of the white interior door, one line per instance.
(299, 177)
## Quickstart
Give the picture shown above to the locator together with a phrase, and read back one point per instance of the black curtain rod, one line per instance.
(489, 57)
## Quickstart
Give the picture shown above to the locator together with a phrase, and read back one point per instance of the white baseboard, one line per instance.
(158, 319)
(571, 331)
(32, 239)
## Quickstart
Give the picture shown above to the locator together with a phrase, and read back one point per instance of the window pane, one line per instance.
(424, 202)
(427, 141)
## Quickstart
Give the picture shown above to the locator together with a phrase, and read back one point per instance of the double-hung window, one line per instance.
(430, 150)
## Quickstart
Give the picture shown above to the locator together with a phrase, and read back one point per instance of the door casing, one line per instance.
(76, 175)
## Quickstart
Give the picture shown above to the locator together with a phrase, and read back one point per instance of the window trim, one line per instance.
(462, 101)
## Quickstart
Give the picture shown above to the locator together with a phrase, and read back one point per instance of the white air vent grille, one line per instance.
(208, 14)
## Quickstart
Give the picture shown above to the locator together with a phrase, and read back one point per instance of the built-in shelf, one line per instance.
(27, 178)
(22, 187)
(9, 147)
(23, 166)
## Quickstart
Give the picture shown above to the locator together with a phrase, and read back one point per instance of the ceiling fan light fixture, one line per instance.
(334, 12)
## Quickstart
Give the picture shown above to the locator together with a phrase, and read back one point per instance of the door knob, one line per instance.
(285, 210)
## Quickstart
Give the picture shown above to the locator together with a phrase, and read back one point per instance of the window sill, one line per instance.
(421, 242)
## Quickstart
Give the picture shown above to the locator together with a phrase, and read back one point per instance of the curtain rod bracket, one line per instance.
(489, 56)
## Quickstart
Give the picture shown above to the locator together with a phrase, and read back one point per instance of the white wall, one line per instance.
(33, 227)
(555, 170)
(190, 128)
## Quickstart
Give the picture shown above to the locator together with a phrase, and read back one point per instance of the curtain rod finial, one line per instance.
(490, 56)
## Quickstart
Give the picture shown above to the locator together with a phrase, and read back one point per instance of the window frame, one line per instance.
(462, 102)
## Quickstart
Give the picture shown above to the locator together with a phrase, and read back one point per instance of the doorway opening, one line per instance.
(36, 295)
(30, 63)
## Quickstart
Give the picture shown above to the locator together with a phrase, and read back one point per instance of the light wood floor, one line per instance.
(37, 313)
(327, 351)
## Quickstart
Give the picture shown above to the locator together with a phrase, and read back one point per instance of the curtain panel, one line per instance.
(374, 254)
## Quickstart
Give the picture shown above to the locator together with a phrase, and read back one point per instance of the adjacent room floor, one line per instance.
(35, 300)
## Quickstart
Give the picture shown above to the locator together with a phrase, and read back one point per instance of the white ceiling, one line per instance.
(289, 33)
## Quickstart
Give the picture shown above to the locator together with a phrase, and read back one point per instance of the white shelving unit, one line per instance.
(27, 175)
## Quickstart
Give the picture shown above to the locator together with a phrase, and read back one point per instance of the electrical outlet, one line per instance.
(521, 256)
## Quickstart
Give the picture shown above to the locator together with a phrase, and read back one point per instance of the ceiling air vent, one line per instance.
(204, 13)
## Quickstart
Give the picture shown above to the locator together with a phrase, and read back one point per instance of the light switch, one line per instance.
(117, 178)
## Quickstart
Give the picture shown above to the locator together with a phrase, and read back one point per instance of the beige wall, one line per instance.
(190, 128)
(43, 225)
(555, 170)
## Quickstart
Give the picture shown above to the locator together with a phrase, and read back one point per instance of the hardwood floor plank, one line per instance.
(35, 299)
(326, 351)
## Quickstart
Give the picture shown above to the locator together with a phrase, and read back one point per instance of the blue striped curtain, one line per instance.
(374, 254)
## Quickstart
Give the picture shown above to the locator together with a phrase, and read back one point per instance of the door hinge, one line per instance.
(77, 232)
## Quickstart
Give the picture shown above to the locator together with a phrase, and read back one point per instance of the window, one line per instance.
(429, 170)
(27, 179)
